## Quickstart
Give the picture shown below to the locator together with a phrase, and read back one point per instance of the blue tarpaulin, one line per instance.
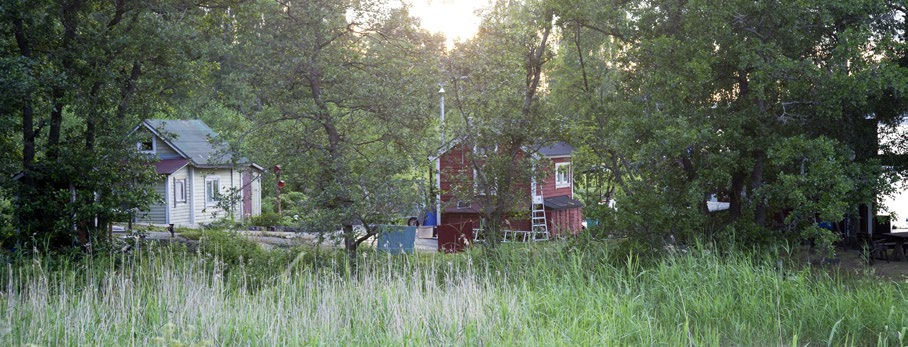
(396, 239)
(430, 219)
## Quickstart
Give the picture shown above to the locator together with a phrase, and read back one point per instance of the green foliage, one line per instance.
(677, 102)
(353, 114)
(500, 115)
(812, 178)
(266, 219)
(82, 74)
(7, 219)
(230, 247)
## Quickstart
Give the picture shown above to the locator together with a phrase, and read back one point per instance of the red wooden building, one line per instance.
(551, 206)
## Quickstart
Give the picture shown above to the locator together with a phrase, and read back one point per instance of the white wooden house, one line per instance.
(196, 172)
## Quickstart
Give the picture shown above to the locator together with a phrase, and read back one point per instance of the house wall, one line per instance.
(164, 151)
(455, 162)
(195, 210)
(563, 222)
(179, 211)
(203, 211)
(256, 193)
(548, 188)
(157, 213)
(455, 169)
(509, 224)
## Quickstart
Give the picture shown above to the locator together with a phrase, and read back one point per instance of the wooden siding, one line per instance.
(179, 211)
(509, 224)
(164, 151)
(560, 222)
(254, 190)
(207, 213)
(548, 189)
(563, 222)
(455, 162)
(156, 214)
(256, 194)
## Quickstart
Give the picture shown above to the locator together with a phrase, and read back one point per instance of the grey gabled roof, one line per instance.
(194, 140)
(557, 149)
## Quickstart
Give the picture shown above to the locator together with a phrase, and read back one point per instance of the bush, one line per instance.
(223, 224)
(230, 248)
(267, 219)
(7, 230)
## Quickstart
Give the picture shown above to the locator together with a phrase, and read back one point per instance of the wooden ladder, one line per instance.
(540, 229)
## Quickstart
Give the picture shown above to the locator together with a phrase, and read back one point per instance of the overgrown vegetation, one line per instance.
(774, 105)
(230, 292)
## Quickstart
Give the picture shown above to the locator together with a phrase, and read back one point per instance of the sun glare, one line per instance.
(456, 19)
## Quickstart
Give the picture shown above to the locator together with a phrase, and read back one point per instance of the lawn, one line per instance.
(556, 293)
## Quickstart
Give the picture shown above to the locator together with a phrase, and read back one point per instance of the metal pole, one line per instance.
(442, 122)
(441, 125)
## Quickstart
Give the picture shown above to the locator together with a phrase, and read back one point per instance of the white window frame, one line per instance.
(562, 175)
(154, 145)
(481, 151)
(461, 205)
(179, 190)
(209, 199)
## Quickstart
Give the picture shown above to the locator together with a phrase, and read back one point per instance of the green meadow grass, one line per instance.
(551, 294)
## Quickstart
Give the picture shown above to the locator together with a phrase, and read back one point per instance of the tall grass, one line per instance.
(550, 294)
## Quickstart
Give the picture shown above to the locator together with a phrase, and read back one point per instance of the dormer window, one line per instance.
(147, 145)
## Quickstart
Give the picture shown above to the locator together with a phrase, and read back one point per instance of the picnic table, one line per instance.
(899, 239)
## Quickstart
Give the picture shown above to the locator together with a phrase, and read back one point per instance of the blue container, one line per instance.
(396, 239)
(430, 219)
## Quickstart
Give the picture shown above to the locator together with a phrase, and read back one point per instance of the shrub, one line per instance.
(230, 248)
(7, 231)
(266, 219)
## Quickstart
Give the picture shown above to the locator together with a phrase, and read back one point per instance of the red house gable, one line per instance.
(562, 212)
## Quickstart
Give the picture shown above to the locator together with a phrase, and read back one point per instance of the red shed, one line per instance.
(551, 204)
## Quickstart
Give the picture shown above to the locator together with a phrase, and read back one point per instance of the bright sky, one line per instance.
(456, 19)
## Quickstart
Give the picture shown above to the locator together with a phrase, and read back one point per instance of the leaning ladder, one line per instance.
(540, 229)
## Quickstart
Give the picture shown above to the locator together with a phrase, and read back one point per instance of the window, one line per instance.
(179, 190)
(482, 150)
(146, 145)
(212, 190)
(562, 175)
(463, 204)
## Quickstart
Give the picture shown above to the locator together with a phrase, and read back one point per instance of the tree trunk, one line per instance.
(350, 246)
(69, 19)
(735, 196)
(28, 116)
(129, 89)
(756, 181)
